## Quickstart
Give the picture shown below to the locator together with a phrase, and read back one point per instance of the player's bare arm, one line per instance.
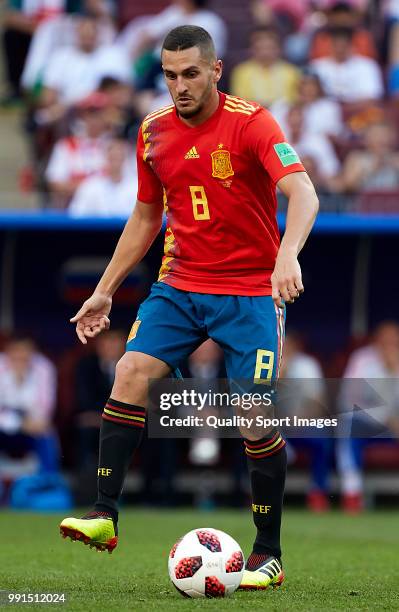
(139, 233)
(303, 205)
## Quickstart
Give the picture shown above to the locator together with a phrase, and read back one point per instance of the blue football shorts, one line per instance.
(172, 323)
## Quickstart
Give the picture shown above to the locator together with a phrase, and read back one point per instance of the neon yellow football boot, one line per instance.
(265, 573)
(96, 529)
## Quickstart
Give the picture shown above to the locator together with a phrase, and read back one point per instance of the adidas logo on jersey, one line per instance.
(192, 154)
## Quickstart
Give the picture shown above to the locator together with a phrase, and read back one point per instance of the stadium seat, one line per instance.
(378, 202)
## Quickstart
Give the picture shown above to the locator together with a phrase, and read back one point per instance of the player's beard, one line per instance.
(192, 112)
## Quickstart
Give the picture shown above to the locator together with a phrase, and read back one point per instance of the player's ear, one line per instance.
(218, 69)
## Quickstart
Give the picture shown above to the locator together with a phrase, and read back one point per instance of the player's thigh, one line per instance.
(251, 333)
(166, 326)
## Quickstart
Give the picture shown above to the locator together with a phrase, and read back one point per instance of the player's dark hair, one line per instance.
(186, 37)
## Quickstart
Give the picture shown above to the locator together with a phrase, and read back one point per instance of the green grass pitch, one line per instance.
(332, 562)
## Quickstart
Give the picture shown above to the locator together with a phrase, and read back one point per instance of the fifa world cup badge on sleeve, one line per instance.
(221, 163)
(286, 154)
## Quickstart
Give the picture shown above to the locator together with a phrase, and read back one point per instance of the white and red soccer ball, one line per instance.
(206, 562)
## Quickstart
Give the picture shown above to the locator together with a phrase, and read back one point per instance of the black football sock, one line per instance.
(267, 464)
(256, 560)
(120, 434)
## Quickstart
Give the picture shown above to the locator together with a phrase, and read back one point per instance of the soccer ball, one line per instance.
(206, 563)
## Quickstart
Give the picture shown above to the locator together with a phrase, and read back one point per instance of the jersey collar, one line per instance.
(206, 125)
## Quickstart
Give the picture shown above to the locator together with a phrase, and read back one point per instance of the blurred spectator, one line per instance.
(265, 77)
(112, 194)
(389, 43)
(370, 402)
(320, 114)
(391, 9)
(122, 111)
(290, 14)
(345, 76)
(376, 167)
(73, 72)
(94, 379)
(147, 33)
(20, 21)
(307, 399)
(81, 155)
(390, 38)
(393, 80)
(53, 34)
(292, 19)
(27, 403)
(343, 15)
(392, 43)
(324, 165)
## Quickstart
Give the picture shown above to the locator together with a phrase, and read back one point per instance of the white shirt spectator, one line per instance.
(358, 78)
(99, 196)
(75, 74)
(302, 366)
(391, 9)
(370, 385)
(76, 158)
(158, 26)
(323, 116)
(33, 397)
(367, 362)
(43, 9)
(320, 150)
(51, 36)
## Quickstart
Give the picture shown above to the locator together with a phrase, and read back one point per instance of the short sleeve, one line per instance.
(266, 141)
(150, 189)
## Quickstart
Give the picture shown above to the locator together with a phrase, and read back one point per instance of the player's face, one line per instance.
(191, 79)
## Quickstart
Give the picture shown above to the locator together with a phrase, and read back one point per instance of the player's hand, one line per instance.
(286, 279)
(92, 318)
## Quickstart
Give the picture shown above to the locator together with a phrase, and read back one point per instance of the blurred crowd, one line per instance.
(86, 74)
(50, 419)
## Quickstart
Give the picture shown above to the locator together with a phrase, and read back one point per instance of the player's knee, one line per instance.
(129, 368)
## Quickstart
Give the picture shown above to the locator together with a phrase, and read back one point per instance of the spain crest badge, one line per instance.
(221, 163)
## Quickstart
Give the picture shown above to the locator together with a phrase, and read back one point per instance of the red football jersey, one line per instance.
(219, 179)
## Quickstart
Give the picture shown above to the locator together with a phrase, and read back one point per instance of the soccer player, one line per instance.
(215, 160)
